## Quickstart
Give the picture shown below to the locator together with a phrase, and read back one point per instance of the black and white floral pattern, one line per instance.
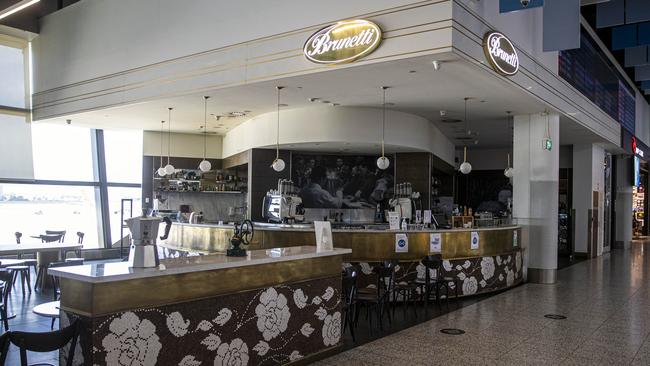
(474, 275)
(269, 326)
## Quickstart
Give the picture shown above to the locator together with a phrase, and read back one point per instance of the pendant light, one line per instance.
(161, 170)
(509, 171)
(465, 167)
(383, 162)
(169, 169)
(205, 165)
(278, 164)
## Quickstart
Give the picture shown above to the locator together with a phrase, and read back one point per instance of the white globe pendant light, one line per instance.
(161, 171)
(383, 163)
(465, 167)
(205, 165)
(169, 169)
(278, 164)
(509, 171)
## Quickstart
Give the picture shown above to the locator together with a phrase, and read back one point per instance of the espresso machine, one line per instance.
(144, 231)
(283, 205)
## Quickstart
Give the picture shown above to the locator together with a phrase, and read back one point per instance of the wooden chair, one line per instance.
(57, 232)
(437, 282)
(46, 342)
(5, 288)
(4, 347)
(379, 299)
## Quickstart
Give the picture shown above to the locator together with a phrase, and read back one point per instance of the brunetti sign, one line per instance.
(343, 42)
(500, 53)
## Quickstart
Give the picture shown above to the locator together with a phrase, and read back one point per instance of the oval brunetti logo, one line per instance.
(500, 53)
(343, 42)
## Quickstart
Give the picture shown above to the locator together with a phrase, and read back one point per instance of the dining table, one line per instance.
(46, 253)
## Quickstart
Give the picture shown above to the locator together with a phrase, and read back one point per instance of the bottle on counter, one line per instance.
(404, 225)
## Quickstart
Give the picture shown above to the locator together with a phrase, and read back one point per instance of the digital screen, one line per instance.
(590, 71)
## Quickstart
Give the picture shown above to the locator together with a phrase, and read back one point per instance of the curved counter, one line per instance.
(495, 265)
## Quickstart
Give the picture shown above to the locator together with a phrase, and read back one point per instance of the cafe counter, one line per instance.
(480, 259)
(274, 306)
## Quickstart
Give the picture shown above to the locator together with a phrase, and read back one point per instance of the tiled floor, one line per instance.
(606, 302)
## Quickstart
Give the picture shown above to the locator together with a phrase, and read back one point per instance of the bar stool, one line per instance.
(437, 282)
(407, 291)
(23, 271)
(29, 259)
(350, 299)
(379, 300)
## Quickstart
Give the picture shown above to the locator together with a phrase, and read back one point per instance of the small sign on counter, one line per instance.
(393, 220)
(324, 241)
(427, 216)
(401, 243)
(475, 241)
(435, 243)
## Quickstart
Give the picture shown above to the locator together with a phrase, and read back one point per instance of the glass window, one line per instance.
(123, 151)
(62, 152)
(115, 196)
(31, 209)
(12, 76)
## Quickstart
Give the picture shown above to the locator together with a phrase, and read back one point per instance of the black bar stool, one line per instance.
(350, 276)
(25, 277)
(379, 299)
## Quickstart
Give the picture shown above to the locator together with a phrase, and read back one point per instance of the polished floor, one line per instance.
(606, 302)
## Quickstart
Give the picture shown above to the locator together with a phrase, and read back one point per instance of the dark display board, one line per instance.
(589, 71)
(341, 181)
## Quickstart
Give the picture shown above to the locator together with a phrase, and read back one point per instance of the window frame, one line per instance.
(97, 149)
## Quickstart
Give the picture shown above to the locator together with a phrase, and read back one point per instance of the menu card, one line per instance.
(324, 241)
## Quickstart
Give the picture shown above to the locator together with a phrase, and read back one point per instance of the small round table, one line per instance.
(48, 310)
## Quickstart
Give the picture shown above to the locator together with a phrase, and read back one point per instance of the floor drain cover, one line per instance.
(452, 331)
(555, 316)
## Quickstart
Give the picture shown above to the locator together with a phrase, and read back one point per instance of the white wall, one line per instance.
(588, 176)
(182, 145)
(339, 125)
(16, 148)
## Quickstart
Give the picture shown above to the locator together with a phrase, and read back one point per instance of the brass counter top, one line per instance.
(366, 244)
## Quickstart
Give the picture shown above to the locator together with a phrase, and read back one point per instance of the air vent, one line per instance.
(464, 138)
(450, 120)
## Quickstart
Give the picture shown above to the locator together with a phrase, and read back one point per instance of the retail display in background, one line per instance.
(589, 70)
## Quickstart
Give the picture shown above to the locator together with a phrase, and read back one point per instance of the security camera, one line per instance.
(68, 121)
(525, 2)
(443, 113)
(436, 65)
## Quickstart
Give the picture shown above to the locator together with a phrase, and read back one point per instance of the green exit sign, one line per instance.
(548, 144)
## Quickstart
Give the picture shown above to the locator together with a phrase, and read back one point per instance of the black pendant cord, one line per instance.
(277, 142)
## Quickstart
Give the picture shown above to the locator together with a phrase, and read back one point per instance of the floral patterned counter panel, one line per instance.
(269, 326)
(474, 275)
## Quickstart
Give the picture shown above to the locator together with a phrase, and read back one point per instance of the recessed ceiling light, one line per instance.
(283, 105)
(334, 104)
(236, 114)
(325, 101)
(412, 71)
(313, 99)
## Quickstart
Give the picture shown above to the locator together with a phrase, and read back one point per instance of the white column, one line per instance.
(588, 178)
(623, 201)
(535, 192)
